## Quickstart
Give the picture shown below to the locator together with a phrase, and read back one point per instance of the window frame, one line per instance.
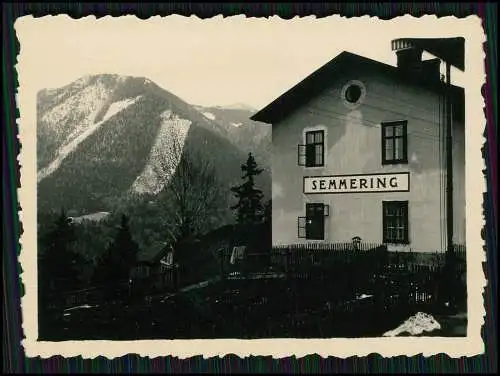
(324, 210)
(406, 222)
(385, 139)
(303, 149)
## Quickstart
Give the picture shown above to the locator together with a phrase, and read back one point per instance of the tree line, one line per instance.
(73, 256)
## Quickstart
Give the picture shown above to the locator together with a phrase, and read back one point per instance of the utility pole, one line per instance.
(449, 162)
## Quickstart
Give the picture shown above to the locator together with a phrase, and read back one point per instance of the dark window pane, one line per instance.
(310, 155)
(353, 93)
(315, 223)
(313, 209)
(315, 227)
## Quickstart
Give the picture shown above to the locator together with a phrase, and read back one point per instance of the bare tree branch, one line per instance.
(190, 193)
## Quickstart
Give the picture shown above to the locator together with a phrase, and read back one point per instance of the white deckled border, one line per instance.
(28, 29)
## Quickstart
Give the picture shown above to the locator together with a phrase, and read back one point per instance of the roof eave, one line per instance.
(275, 112)
(265, 115)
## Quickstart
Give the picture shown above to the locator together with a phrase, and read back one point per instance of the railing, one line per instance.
(339, 270)
(325, 254)
(301, 260)
(347, 269)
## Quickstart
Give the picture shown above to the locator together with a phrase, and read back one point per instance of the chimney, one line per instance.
(431, 70)
(409, 57)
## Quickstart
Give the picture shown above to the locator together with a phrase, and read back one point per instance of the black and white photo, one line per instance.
(235, 179)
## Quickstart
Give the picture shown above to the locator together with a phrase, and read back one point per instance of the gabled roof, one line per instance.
(321, 79)
(153, 254)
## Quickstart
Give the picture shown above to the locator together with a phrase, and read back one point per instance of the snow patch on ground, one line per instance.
(237, 106)
(363, 296)
(84, 130)
(86, 102)
(165, 154)
(415, 325)
(85, 306)
(118, 106)
(209, 115)
(95, 217)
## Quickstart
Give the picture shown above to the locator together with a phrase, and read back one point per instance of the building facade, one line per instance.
(359, 151)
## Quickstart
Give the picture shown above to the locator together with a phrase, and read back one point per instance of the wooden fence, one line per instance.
(344, 272)
(302, 261)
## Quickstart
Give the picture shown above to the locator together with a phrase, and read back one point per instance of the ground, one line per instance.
(267, 309)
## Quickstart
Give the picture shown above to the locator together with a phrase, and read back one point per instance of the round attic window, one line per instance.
(353, 93)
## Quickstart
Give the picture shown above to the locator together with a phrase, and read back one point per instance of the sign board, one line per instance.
(386, 182)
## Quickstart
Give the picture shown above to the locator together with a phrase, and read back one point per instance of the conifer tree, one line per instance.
(249, 209)
(268, 212)
(119, 257)
(59, 264)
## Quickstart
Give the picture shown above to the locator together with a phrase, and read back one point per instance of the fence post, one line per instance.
(287, 262)
(176, 276)
(221, 261)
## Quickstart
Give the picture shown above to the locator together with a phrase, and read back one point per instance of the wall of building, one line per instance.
(353, 146)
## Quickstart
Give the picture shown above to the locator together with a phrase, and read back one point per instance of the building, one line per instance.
(154, 268)
(359, 150)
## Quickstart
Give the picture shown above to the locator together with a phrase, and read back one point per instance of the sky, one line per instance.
(218, 61)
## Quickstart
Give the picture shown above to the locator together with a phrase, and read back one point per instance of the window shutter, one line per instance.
(302, 221)
(301, 155)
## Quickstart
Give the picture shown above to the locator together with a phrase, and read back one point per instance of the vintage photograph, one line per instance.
(233, 180)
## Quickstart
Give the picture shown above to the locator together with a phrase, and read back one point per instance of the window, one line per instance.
(353, 93)
(312, 153)
(395, 222)
(394, 143)
(312, 226)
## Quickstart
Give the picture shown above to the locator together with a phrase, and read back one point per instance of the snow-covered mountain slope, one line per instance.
(244, 133)
(84, 130)
(100, 139)
(171, 136)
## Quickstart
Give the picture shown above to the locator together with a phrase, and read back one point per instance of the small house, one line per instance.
(154, 268)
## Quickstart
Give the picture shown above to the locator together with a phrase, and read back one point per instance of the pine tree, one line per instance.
(119, 257)
(268, 212)
(59, 264)
(249, 206)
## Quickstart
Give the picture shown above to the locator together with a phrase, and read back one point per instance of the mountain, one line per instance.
(246, 134)
(98, 141)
